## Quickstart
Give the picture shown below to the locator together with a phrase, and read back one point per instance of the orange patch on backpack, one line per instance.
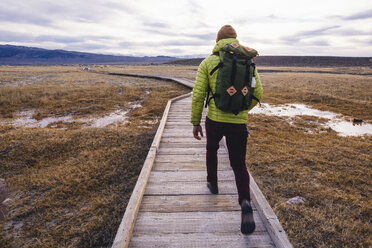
(231, 91)
(245, 91)
(234, 45)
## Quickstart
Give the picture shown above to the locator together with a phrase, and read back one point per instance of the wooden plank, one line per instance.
(190, 203)
(197, 158)
(187, 151)
(171, 166)
(179, 126)
(182, 123)
(190, 140)
(189, 188)
(201, 240)
(181, 135)
(182, 145)
(187, 176)
(192, 222)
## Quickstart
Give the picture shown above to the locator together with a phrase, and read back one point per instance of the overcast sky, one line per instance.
(189, 27)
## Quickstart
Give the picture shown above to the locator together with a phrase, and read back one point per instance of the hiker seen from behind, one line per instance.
(229, 83)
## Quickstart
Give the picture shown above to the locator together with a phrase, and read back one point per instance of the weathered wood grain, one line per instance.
(190, 203)
(189, 188)
(186, 151)
(201, 240)
(187, 176)
(197, 158)
(187, 166)
(192, 222)
(200, 145)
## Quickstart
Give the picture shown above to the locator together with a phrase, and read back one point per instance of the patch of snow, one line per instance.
(336, 121)
(135, 105)
(292, 110)
(114, 117)
(296, 200)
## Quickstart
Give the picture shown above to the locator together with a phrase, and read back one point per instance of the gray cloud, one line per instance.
(352, 32)
(318, 43)
(272, 16)
(127, 44)
(21, 14)
(184, 43)
(85, 46)
(58, 39)
(176, 51)
(360, 15)
(362, 42)
(7, 36)
(317, 32)
(156, 24)
(297, 37)
(207, 36)
(55, 23)
(169, 43)
(46, 13)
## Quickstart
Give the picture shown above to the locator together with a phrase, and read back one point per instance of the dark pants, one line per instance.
(236, 140)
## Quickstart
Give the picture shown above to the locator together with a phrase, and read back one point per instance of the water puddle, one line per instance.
(336, 121)
(24, 119)
(117, 116)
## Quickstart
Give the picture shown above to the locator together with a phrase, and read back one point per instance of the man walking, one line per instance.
(220, 123)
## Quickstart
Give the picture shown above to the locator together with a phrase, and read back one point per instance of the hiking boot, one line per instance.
(212, 187)
(248, 224)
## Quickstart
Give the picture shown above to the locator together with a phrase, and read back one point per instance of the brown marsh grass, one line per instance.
(349, 95)
(304, 159)
(69, 187)
(333, 173)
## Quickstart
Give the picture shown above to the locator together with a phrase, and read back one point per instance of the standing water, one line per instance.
(336, 121)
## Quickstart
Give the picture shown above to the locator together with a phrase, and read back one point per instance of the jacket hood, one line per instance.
(223, 42)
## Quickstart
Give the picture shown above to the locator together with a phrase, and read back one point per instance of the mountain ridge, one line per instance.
(23, 55)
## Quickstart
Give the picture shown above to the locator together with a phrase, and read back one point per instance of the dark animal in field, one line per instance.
(357, 122)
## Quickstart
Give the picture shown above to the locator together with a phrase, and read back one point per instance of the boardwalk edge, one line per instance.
(124, 233)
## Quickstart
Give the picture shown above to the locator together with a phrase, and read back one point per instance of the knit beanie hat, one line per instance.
(225, 32)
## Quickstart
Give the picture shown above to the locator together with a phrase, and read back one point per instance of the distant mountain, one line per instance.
(309, 61)
(21, 55)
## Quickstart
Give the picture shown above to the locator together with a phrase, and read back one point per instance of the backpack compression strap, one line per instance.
(220, 64)
(217, 66)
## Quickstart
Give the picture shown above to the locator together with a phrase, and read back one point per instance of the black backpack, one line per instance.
(235, 85)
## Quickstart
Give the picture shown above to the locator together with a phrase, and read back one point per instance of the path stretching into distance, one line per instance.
(171, 205)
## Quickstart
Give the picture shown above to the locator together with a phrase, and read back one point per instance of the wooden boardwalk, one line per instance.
(171, 205)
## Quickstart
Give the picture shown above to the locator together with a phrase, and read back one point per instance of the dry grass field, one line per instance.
(69, 183)
(332, 172)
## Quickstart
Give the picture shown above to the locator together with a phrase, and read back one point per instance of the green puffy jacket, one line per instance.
(201, 85)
